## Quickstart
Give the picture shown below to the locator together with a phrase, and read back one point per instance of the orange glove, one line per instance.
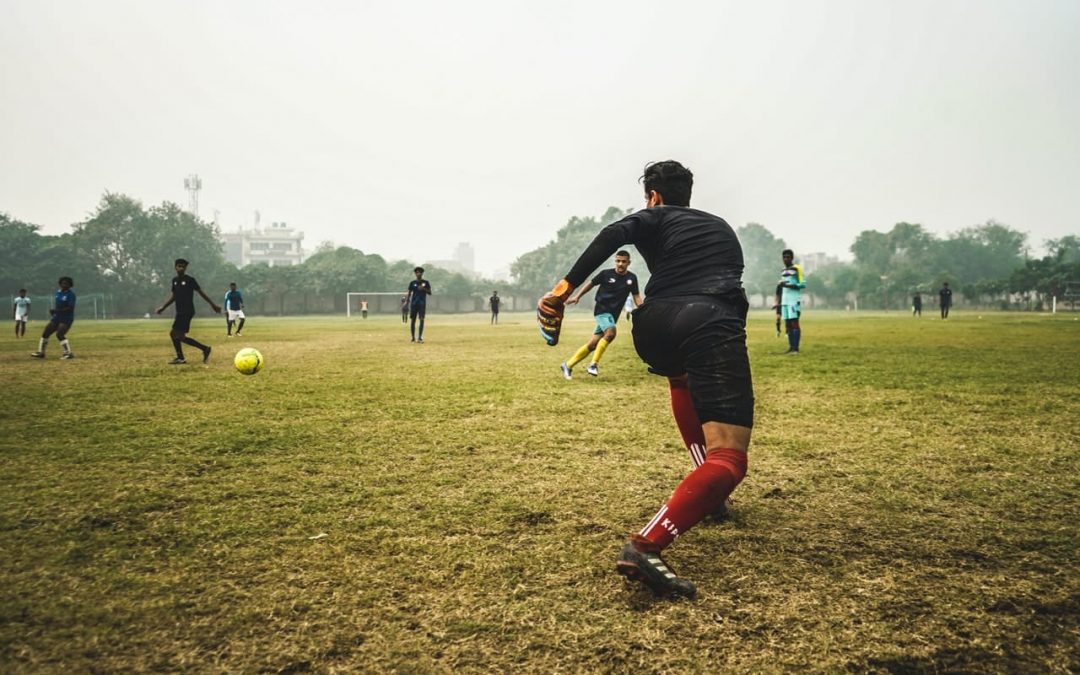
(549, 311)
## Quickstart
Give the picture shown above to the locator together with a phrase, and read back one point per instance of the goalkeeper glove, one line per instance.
(549, 312)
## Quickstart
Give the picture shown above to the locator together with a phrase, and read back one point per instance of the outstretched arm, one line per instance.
(217, 308)
(582, 291)
(168, 301)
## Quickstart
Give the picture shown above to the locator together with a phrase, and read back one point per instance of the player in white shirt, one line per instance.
(20, 310)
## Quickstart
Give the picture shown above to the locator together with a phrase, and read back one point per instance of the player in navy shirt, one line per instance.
(183, 294)
(692, 330)
(613, 287)
(419, 289)
(63, 314)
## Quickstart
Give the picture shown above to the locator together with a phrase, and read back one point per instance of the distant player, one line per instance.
(419, 290)
(234, 310)
(183, 294)
(404, 309)
(691, 329)
(792, 283)
(493, 302)
(62, 316)
(363, 309)
(629, 307)
(945, 300)
(613, 288)
(20, 311)
(916, 305)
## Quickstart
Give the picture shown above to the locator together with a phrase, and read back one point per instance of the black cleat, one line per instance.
(206, 354)
(651, 570)
(37, 355)
(177, 361)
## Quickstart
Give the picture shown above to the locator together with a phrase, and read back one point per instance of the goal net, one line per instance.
(382, 302)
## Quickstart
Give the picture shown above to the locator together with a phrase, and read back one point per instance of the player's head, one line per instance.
(66, 283)
(418, 271)
(494, 292)
(22, 292)
(946, 284)
(181, 265)
(232, 286)
(622, 261)
(667, 183)
(788, 256)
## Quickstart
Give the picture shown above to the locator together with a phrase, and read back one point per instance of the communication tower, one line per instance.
(193, 184)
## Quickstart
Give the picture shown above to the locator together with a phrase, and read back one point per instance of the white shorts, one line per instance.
(235, 314)
(22, 317)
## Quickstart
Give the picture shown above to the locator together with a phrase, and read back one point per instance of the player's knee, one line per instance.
(609, 334)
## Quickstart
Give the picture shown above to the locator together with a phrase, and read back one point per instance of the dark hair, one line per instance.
(179, 261)
(788, 251)
(232, 283)
(622, 252)
(71, 282)
(418, 269)
(22, 290)
(671, 180)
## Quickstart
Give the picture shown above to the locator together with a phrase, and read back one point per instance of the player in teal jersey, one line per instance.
(792, 283)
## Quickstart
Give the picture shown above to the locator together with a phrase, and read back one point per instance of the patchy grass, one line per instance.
(369, 504)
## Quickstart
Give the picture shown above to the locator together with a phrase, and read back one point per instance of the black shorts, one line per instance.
(417, 311)
(182, 323)
(703, 337)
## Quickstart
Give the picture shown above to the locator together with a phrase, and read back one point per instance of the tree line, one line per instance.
(984, 263)
(125, 251)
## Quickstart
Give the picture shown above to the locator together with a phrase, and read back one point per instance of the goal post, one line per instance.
(353, 298)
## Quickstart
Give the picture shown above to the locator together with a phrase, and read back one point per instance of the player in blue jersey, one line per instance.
(63, 314)
(234, 310)
(792, 283)
(613, 288)
(20, 311)
(419, 290)
(183, 292)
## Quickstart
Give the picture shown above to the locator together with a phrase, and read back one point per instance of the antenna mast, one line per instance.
(193, 184)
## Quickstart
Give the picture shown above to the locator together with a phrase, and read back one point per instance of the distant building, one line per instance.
(812, 262)
(465, 256)
(277, 246)
(463, 262)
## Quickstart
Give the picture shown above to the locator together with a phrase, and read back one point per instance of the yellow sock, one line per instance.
(578, 356)
(600, 347)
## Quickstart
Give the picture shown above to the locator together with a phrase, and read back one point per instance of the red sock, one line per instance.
(682, 405)
(699, 494)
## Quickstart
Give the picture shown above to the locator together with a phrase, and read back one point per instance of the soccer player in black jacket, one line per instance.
(692, 330)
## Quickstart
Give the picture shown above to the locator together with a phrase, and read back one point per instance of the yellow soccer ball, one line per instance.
(248, 361)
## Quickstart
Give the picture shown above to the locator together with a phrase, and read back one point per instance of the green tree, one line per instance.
(761, 258)
(536, 271)
(133, 248)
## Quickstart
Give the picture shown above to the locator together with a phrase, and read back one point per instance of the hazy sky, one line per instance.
(402, 128)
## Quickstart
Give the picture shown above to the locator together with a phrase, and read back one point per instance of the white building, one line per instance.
(277, 246)
(812, 262)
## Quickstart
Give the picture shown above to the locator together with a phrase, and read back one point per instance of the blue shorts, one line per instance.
(788, 312)
(603, 322)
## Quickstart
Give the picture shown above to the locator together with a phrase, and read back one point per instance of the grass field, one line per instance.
(368, 504)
